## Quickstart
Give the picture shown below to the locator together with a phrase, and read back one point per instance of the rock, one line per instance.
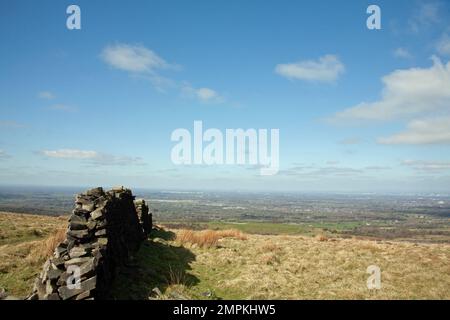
(79, 234)
(177, 295)
(88, 206)
(144, 217)
(60, 250)
(53, 296)
(57, 262)
(157, 291)
(80, 213)
(77, 261)
(101, 232)
(101, 201)
(78, 252)
(83, 295)
(78, 216)
(63, 279)
(54, 274)
(97, 192)
(97, 214)
(87, 268)
(78, 225)
(207, 293)
(102, 241)
(102, 224)
(49, 287)
(3, 294)
(91, 224)
(65, 292)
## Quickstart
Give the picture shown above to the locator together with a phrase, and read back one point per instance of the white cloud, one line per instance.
(93, 157)
(443, 45)
(427, 166)
(314, 172)
(425, 16)
(144, 63)
(46, 95)
(140, 62)
(133, 58)
(326, 69)
(70, 154)
(405, 93)
(205, 95)
(428, 131)
(402, 53)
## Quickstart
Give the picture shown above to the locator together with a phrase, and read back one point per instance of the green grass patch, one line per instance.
(269, 228)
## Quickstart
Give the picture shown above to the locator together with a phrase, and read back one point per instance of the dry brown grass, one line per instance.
(206, 238)
(25, 243)
(262, 267)
(45, 248)
(17, 228)
(269, 246)
(321, 237)
(176, 277)
(270, 259)
(281, 267)
(232, 233)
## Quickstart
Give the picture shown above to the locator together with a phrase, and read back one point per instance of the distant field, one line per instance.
(424, 218)
(377, 230)
(269, 228)
(276, 261)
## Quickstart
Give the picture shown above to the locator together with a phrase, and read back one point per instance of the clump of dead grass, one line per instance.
(232, 233)
(270, 247)
(207, 238)
(270, 259)
(321, 237)
(44, 249)
(177, 277)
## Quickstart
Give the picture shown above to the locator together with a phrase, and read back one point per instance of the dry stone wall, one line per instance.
(144, 214)
(104, 231)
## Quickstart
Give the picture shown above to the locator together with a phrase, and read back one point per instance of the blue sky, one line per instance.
(358, 110)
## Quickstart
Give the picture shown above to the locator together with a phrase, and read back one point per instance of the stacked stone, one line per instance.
(145, 216)
(103, 233)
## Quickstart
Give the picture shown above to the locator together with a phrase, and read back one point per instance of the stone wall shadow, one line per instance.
(157, 264)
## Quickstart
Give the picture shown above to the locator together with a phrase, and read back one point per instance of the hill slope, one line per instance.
(236, 266)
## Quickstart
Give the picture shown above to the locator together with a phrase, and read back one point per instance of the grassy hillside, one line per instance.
(233, 265)
(25, 243)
